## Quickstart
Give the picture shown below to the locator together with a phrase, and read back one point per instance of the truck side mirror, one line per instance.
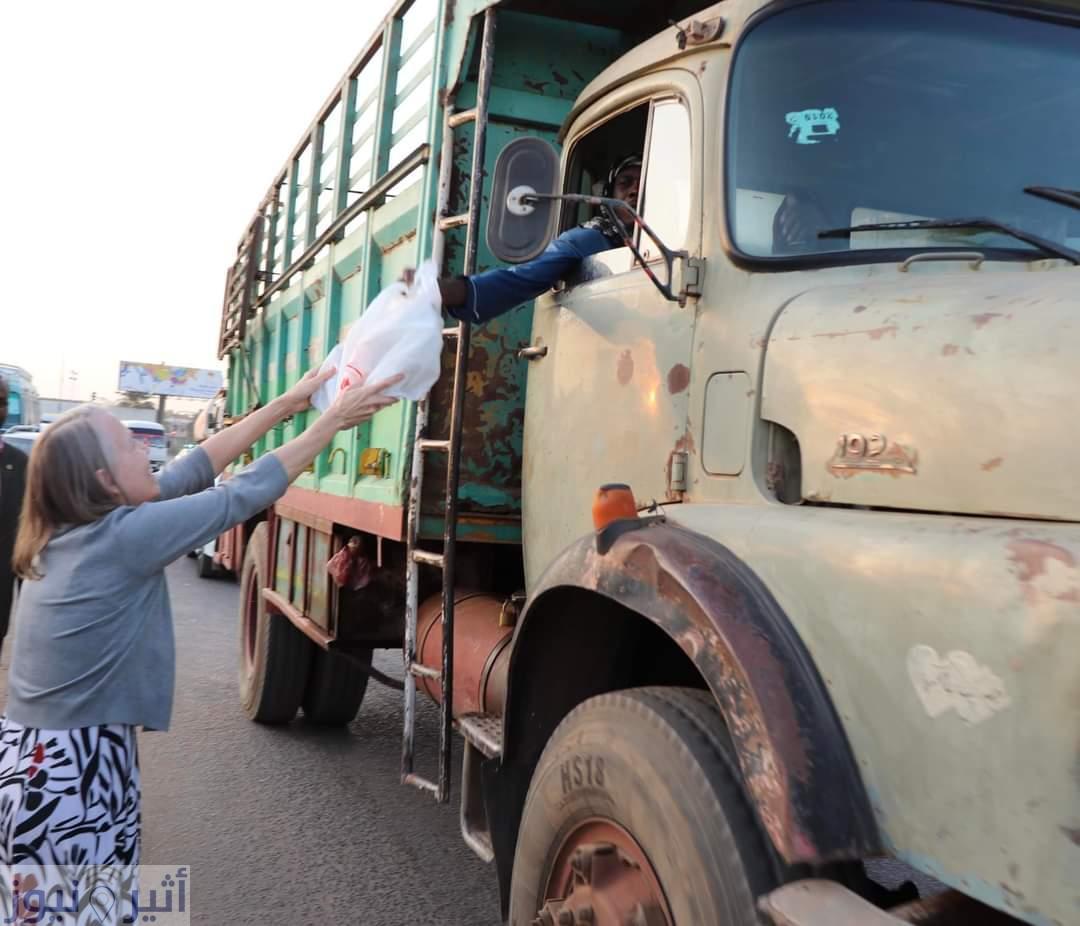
(518, 231)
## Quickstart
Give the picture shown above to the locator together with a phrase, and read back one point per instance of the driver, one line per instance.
(483, 296)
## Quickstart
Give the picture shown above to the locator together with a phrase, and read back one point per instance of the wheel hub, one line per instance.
(601, 877)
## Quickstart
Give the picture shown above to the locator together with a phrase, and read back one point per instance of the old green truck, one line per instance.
(833, 613)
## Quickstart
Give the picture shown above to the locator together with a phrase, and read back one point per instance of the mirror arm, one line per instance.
(608, 206)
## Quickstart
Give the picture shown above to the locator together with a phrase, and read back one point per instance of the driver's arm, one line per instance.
(483, 296)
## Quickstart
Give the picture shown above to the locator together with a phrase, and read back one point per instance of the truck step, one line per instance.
(484, 731)
(428, 558)
(818, 902)
(426, 444)
(419, 781)
(421, 671)
(475, 829)
(466, 115)
(453, 221)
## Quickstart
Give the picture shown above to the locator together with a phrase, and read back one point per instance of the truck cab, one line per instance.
(829, 616)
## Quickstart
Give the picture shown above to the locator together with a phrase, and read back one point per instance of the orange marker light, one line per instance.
(612, 502)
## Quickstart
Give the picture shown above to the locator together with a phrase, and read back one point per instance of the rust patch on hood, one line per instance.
(624, 371)
(678, 378)
(874, 334)
(951, 350)
(1048, 580)
(984, 318)
(1033, 558)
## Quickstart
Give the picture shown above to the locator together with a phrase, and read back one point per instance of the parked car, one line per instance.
(153, 435)
(21, 439)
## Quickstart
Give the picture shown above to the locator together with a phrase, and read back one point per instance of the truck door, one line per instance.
(608, 402)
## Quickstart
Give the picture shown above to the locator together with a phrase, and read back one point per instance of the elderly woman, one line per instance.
(94, 654)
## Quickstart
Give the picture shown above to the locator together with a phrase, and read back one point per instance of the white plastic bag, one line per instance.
(401, 332)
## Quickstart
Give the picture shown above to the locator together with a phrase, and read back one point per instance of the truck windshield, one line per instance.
(854, 112)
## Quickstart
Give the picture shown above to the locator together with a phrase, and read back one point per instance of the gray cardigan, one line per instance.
(94, 636)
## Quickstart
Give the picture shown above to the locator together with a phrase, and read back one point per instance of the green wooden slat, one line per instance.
(312, 207)
(345, 147)
(290, 210)
(510, 105)
(428, 32)
(362, 176)
(384, 119)
(415, 81)
(411, 123)
(371, 98)
(364, 138)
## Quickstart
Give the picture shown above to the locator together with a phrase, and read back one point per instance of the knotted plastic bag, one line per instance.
(401, 332)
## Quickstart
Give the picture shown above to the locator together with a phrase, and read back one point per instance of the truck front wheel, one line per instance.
(635, 815)
(275, 657)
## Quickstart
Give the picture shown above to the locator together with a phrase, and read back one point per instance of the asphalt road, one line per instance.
(298, 825)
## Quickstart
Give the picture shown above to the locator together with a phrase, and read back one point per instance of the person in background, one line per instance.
(94, 655)
(483, 296)
(12, 483)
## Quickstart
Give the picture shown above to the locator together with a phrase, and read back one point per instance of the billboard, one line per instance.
(162, 379)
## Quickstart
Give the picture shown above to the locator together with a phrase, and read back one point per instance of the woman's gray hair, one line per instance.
(62, 484)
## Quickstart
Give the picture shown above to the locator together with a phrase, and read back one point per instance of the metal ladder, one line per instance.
(423, 445)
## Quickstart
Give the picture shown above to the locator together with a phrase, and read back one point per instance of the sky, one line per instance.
(138, 140)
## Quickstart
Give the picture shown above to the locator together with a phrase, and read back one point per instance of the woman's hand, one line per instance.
(298, 399)
(362, 400)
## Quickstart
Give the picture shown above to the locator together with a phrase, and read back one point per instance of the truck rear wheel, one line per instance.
(335, 687)
(636, 815)
(275, 657)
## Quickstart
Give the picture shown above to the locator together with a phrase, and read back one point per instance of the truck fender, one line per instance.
(796, 762)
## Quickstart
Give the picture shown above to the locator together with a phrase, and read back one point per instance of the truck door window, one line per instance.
(666, 189)
(591, 159)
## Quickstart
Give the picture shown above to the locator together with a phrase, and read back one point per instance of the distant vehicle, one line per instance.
(23, 405)
(21, 439)
(153, 435)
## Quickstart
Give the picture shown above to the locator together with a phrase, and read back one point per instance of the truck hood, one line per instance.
(954, 393)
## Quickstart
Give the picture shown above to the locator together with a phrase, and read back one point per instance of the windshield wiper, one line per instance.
(1048, 247)
(1056, 194)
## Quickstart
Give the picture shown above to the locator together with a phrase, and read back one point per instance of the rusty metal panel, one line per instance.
(948, 646)
(925, 393)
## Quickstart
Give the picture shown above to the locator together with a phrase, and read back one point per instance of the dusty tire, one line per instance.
(204, 566)
(653, 764)
(335, 688)
(275, 657)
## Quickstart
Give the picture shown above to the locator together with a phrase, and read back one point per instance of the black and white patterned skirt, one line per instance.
(69, 809)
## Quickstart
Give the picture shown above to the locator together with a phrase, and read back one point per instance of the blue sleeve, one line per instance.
(500, 290)
(186, 475)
